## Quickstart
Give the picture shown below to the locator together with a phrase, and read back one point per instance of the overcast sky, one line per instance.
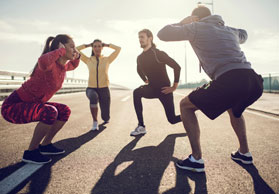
(26, 24)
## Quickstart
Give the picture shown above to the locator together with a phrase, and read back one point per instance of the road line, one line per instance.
(262, 115)
(125, 99)
(17, 177)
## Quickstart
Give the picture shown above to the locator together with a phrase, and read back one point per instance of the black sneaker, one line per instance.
(244, 158)
(35, 157)
(50, 149)
(188, 164)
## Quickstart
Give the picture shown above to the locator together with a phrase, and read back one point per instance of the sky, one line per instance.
(26, 24)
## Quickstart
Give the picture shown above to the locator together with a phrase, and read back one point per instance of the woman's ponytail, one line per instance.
(46, 49)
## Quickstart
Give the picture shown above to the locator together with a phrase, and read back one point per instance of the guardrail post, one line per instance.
(270, 83)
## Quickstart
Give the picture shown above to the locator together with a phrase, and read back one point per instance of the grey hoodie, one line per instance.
(216, 45)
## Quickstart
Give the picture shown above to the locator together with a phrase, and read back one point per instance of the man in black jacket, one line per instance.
(151, 67)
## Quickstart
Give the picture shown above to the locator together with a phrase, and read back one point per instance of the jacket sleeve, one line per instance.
(177, 32)
(73, 64)
(115, 52)
(47, 60)
(140, 72)
(83, 57)
(241, 34)
(164, 58)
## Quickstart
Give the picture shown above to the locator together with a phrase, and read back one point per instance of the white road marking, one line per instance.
(17, 177)
(249, 111)
(125, 99)
(262, 115)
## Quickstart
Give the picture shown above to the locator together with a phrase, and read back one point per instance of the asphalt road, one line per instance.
(111, 161)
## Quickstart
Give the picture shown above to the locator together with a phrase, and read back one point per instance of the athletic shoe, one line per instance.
(35, 157)
(191, 164)
(50, 149)
(244, 158)
(138, 131)
(95, 126)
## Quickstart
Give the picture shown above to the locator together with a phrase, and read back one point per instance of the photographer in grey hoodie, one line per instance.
(234, 85)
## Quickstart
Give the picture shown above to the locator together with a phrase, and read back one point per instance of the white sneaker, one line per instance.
(138, 130)
(95, 126)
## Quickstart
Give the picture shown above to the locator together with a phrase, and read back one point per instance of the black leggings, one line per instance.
(149, 92)
(101, 95)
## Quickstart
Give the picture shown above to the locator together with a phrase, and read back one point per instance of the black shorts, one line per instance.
(236, 89)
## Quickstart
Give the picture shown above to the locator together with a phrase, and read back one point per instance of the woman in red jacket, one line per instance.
(29, 103)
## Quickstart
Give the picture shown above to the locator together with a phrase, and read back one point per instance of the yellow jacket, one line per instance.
(98, 70)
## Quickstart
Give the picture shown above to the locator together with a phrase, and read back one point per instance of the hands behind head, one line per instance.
(104, 44)
(189, 20)
(91, 45)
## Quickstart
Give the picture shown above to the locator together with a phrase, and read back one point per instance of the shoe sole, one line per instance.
(243, 161)
(190, 169)
(138, 134)
(34, 162)
(52, 153)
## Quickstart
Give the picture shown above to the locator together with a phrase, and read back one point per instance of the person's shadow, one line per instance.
(182, 184)
(146, 169)
(41, 178)
(260, 186)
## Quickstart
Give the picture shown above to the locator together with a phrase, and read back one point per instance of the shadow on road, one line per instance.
(260, 186)
(144, 170)
(40, 179)
(182, 184)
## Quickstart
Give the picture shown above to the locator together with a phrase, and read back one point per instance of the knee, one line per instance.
(49, 115)
(93, 97)
(183, 103)
(136, 92)
(172, 121)
(186, 104)
(64, 113)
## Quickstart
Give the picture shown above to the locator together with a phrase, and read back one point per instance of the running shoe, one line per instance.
(35, 157)
(50, 149)
(191, 164)
(244, 158)
(95, 126)
(139, 130)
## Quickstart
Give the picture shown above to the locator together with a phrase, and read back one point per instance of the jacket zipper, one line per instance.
(97, 72)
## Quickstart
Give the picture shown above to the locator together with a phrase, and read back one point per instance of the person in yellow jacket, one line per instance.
(98, 83)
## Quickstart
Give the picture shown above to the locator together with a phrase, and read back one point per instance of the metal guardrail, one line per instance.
(12, 76)
(10, 81)
(271, 82)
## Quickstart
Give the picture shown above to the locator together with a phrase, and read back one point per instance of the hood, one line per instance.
(214, 19)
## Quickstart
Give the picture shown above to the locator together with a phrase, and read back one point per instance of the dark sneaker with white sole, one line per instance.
(50, 149)
(35, 157)
(244, 158)
(191, 164)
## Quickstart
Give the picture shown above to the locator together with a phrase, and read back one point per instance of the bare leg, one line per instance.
(239, 127)
(39, 133)
(191, 126)
(53, 131)
(94, 112)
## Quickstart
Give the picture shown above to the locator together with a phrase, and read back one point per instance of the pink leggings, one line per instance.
(16, 111)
